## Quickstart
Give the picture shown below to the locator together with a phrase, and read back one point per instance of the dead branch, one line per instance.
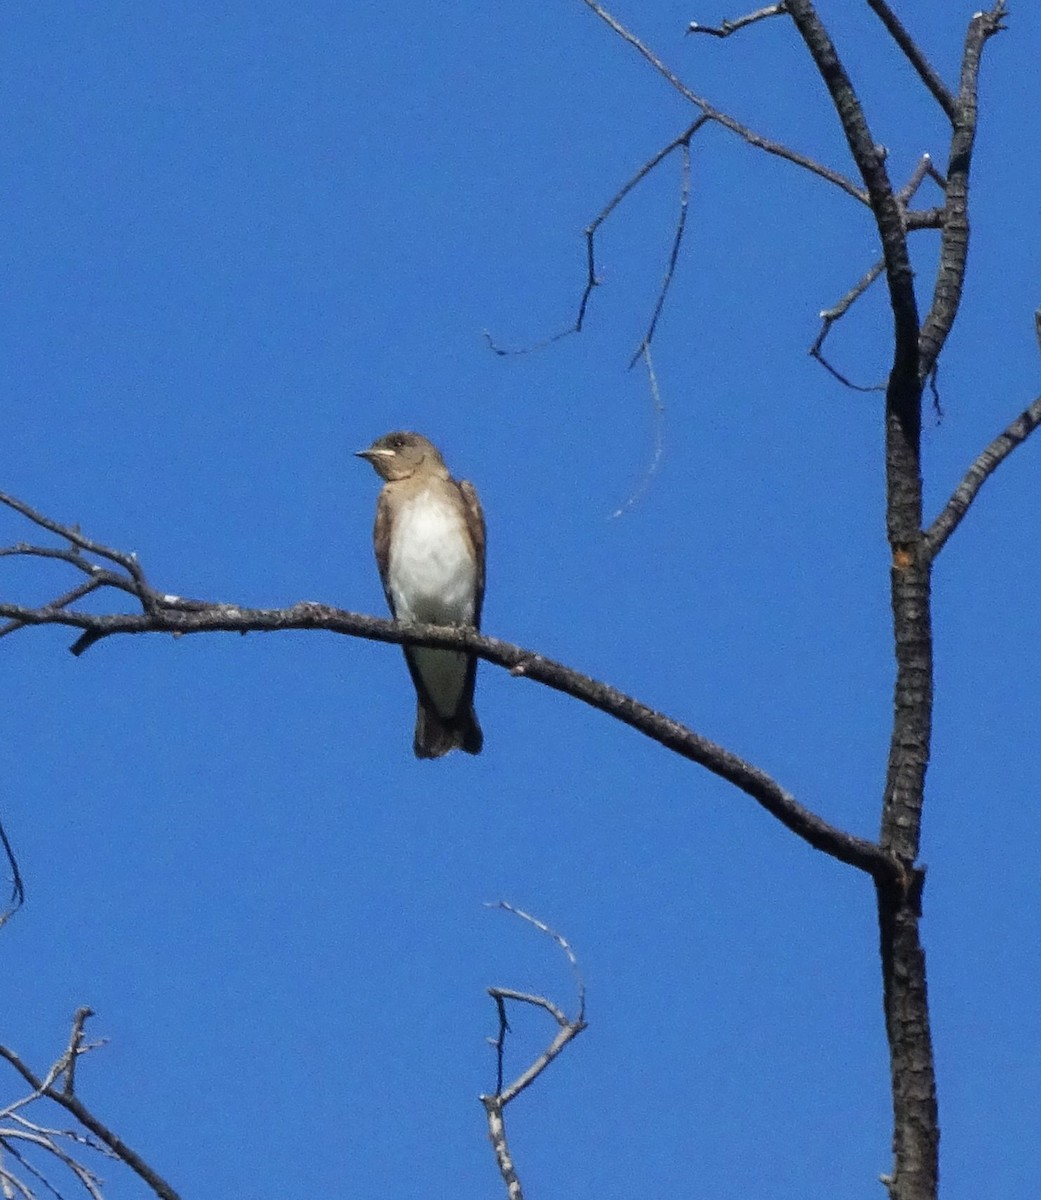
(62, 1145)
(830, 315)
(590, 232)
(912, 1065)
(726, 28)
(954, 240)
(916, 349)
(17, 898)
(164, 613)
(930, 219)
(677, 242)
(924, 170)
(717, 115)
(977, 475)
(658, 447)
(915, 57)
(568, 1030)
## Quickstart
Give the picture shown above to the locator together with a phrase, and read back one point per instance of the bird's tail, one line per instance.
(435, 735)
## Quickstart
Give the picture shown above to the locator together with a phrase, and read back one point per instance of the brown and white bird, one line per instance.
(429, 542)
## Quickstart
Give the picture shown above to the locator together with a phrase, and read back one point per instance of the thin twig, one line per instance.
(768, 145)
(709, 113)
(590, 232)
(726, 28)
(63, 601)
(914, 55)
(50, 1145)
(75, 1048)
(830, 315)
(934, 391)
(72, 1104)
(17, 886)
(658, 428)
(128, 562)
(677, 242)
(562, 942)
(924, 170)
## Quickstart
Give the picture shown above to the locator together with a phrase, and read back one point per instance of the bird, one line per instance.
(429, 540)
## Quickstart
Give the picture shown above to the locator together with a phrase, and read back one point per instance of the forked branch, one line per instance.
(568, 1028)
(35, 1147)
(682, 143)
(928, 219)
(717, 115)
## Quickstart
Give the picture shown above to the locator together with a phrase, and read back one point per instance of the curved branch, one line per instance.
(163, 613)
(229, 618)
(954, 241)
(977, 475)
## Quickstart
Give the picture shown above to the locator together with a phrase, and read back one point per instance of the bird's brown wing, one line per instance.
(475, 528)
(381, 544)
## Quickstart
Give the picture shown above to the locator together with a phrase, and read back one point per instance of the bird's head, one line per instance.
(402, 455)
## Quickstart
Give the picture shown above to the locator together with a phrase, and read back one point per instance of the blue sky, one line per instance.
(243, 240)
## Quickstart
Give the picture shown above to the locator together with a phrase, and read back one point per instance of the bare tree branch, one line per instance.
(870, 160)
(830, 315)
(568, 1030)
(925, 169)
(912, 1065)
(930, 219)
(677, 242)
(925, 218)
(709, 113)
(954, 241)
(590, 232)
(17, 886)
(50, 1140)
(915, 57)
(658, 449)
(726, 28)
(175, 615)
(137, 583)
(721, 118)
(977, 475)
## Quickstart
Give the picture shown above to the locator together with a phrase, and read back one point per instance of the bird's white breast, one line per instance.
(431, 573)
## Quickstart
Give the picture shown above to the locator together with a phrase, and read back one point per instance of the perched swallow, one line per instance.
(429, 543)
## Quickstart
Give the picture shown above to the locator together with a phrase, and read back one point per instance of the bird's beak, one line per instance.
(372, 453)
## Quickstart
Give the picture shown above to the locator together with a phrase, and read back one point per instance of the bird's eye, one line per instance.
(397, 443)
